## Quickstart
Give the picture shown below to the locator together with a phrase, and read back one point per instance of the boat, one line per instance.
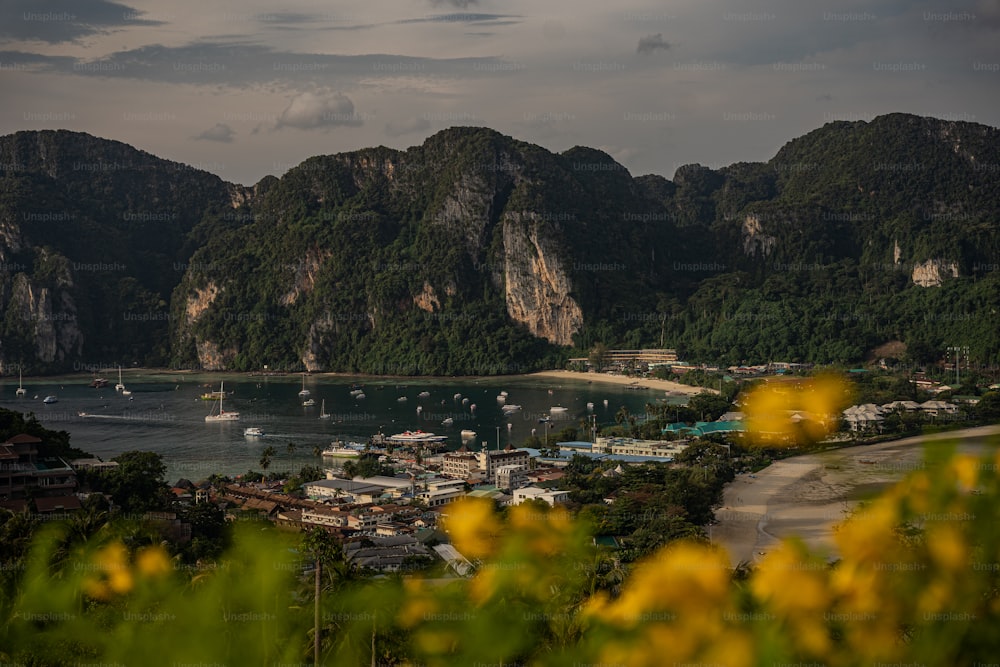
(590, 407)
(468, 435)
(211, 396)
(21, 391)
(359, 396)
(99, 383)
(341, 450)
(126, 392)
(458, 397)
(447, 422)
(50, 399)
(253, 432)
(305, 392)
(323, 414)
(501, 398)
(357, 392)
(415, 438)
(222, 416)
(401, 399)
(119, 386)
(423, 394)
(508, 409)
(309, 402)
(557, 409)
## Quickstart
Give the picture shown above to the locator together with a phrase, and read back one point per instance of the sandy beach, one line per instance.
(807, 495)
(604, 378)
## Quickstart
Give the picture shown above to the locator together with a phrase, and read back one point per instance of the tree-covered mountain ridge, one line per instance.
(476, 253)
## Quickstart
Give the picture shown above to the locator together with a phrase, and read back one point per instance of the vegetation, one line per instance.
(384, 261)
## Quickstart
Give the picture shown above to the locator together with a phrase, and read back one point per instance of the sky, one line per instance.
(245, 88)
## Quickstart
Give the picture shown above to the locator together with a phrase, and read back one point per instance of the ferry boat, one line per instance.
(340, 450)
(253, 432)
(416, 438)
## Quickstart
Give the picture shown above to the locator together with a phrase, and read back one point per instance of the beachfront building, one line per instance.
(656, 449)
(865, 417)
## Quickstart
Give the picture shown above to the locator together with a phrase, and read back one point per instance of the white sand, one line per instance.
(807, 495)
(604, 378)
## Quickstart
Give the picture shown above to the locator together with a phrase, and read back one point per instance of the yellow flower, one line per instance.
(473, 526)
(947, 546)
(868, 536)
(789, 582)
(153, 562)
(418, 604)
(114, 575)
(966, 468)
(780, 412)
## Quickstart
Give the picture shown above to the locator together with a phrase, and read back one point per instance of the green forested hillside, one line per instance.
(478, 253)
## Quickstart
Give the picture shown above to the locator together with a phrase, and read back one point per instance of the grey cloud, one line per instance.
(310, 111)
(651, 43)
(407, 127)
(220, 132)
(237, 64)
(467, 17)
(461, 4)
(55, 21)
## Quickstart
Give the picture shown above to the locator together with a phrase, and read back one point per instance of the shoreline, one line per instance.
(646, 384)
(807, 495)
(620, 380)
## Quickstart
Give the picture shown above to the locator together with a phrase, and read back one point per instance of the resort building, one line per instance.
(552, 497)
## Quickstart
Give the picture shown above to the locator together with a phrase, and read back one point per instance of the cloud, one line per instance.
(461, 4)
(310, 111)
(220, 132)
(407, 127)
(58, 21)
(651, 43)
(239, 64)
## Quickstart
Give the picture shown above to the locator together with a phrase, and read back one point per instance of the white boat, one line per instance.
(468, 435)
(253, 432)
(359, 396)
(50, 399)
(21, 391)
(458, 397)
(501, 398)
(401, 399)
(222, 416)
(323, 414)
(126, 392)
(416, 438)
(557, 409)
(355, 392)
(304, 392)
(120, 386)
(504, 394)
(448, 422)
(590, 407)
(340, 450)
(508, 409)
(309, 402)
(424, 394)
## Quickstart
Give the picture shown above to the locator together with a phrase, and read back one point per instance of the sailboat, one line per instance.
(119, 386)
(304, 392)
(223, 416)
(21, 391)
(322, 410)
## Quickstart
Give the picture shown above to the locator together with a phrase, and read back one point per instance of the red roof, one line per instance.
(23, 439)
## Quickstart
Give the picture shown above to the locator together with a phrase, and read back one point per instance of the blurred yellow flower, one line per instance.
(966, 469)
(153, 562)
(474, 527)
(786, 412)
(113, 575)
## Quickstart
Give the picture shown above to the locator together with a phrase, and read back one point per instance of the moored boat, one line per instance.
(50, 399)
(222, 416)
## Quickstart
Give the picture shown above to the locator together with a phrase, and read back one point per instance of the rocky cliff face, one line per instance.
(932, 272)
(536, 283)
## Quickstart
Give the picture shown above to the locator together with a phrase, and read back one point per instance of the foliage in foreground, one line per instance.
(916, 582)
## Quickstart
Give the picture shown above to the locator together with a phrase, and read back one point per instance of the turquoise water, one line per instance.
(167, 416)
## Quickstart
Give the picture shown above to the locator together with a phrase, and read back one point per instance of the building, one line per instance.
(25, 470)
(511, 476)
(658, 449)
(550, 496)
(491, 460)
(461, 464)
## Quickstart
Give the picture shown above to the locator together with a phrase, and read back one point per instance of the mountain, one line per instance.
(94, 236)
(477, 253)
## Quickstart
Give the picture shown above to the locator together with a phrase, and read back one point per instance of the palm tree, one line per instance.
(323, 549)
(317, 451)
(291, 448)
(266, 456)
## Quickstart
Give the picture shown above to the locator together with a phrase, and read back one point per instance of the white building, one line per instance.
(535, 493)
